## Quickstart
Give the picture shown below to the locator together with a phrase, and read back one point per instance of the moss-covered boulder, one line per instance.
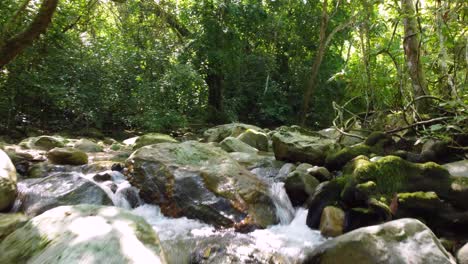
(67, 156)
(232, 144)
(153, 138)
(254, 138)
(87, 145)
(10, 222)
(43, 142)
(83, 233)
(332, 221)
(218, 133)
(392, 175)
(335, 160)
(400, 241)
(7, 182)
(300, 186)
(320, 173)
(67, 188)
(200, 181)
(419, 201)
(296, 144)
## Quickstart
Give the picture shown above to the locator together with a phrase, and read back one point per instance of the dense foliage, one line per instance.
(158, 65)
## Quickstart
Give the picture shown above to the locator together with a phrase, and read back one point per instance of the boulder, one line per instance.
(200, 181)
(332, 221)
(285, 170)
(458, 168)
(43, 169)
(300, 186)
(87, 145)
(400, 241)
(255, 139)
(295, 144)
(152, 138)
(69, 188)
(392, 175)
(326, 193)
(10, 222)
(336, 160)
(231, 144)
(7, 182)
(435, 150)
(64, 156)
(43, 142)
(83, 234)
(320, 173)
(344, 140)
(462, 254)
(218, 133)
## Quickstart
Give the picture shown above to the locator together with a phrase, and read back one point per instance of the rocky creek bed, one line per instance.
(238, 194)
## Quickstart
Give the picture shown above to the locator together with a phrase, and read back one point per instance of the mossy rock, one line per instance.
(153, 138)
(43, 142)
(67, 156)
(254, 138)
(336, 160)
(300, 186)
(426, 201)
(93, 234)
(232, 144)
(10, 222)
(296, 144)
(218, 133)
(393, 175)
(87, 145)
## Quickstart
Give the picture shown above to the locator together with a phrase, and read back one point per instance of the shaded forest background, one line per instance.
(161, 65)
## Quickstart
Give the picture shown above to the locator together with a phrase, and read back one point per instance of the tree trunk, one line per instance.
(324, 40)
(311, 85)
(411, 44)
(12, 47)
(215, 84)
(446, 89)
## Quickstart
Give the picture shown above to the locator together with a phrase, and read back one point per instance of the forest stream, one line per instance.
(219, 199)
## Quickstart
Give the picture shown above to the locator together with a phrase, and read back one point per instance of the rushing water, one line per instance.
(180, 237)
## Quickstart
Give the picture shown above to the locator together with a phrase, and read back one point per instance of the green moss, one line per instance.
(368, 187)
(153, 138)
(428, 201)
(336, 160)
(375, 137)
(402, 197)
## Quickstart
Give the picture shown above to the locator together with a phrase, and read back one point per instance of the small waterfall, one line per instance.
(284, 209)
(118, 189)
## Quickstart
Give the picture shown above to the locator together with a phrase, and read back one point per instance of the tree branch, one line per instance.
(16, 44)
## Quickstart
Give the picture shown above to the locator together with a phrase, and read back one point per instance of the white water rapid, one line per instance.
(181, 236)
